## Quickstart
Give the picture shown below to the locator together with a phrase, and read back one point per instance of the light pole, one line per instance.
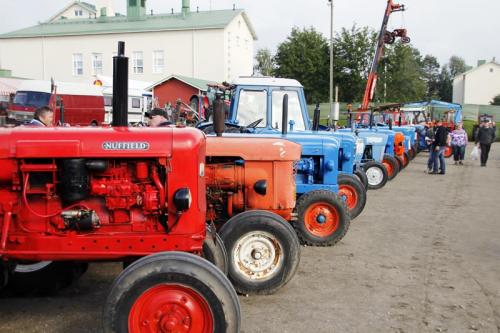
(333, 116)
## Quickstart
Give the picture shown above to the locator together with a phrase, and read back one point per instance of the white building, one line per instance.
(213, 45)
(477, 86)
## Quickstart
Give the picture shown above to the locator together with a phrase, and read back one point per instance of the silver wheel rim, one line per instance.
(375, 175)
(30, 268)
(258, 255)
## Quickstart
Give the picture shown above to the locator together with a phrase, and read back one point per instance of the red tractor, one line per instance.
(69, 196)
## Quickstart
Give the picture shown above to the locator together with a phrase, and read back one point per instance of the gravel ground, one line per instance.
(424, 256)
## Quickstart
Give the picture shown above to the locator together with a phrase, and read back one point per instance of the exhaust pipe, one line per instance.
(219, 115)
(284, 120)
(316, 118)
(120, 88)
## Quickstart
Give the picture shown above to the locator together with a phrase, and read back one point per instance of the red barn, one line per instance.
(175, 87)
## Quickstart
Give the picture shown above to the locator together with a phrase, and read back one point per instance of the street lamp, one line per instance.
(333, 116)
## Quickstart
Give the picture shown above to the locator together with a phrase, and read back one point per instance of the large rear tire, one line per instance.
(360, 173)
(263, 249)
(215, 251)
(44, 277)
(323, 218)
(352, 191)
(171, 292)
(377, 175)
(392, 166)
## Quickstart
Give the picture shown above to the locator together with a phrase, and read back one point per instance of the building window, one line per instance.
(77, 64)
(78, 12)
(158, 61)
(138, 62)
(136, 103)
(96, 63)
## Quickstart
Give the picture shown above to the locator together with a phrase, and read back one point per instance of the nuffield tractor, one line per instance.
(251, 197)
(69, 196)
(320, 216)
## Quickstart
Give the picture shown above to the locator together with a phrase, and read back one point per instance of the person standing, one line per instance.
(486, 135)
(438, 148)
(44, 117)
(158, 118)
(459, 141)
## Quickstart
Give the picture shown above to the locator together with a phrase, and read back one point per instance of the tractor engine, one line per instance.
(240, 176)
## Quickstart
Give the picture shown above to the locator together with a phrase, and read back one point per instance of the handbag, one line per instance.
(474, 155)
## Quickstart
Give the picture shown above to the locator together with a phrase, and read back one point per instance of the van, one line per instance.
(83, 103)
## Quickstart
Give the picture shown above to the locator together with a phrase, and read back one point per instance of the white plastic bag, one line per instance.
(474, 155)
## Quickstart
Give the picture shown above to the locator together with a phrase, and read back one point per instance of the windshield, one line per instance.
(294, 110)
(32, 98)
(251, 107)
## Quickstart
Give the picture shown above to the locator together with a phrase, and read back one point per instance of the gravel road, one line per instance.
(424, 256)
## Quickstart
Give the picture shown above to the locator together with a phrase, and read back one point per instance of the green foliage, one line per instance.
(431, 68)
(304, 56)
(403, 75)
(457, 66)
(353, 53)
(265, 62)
(496, 100)
(445, 85)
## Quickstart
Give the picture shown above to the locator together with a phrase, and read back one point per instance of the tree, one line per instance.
(265, 62)
(496, 100)
(304, 56)
(403, 75)
(431, 68)
(445, 84)
(456, 66)
(352, 56)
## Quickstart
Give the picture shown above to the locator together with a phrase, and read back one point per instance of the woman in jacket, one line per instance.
(458, 143)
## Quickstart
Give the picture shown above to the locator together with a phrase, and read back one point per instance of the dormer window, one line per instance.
(78, 12)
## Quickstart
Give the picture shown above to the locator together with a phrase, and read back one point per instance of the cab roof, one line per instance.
(267, 81)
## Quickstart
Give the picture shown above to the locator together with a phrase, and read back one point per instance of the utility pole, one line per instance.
(331, 61)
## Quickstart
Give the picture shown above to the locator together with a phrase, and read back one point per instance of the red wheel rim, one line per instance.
(448, 152)
(351, 196)
(170, 308)
(388, 166)
(321, 219)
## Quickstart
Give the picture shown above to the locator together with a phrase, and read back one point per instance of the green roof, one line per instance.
(217, 19)
(199, 84)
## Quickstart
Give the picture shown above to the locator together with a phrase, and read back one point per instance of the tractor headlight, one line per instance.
(182, 199)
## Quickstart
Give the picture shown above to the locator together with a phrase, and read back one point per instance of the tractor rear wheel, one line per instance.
(215, 251)
(400, 162)
(44, 277)
(263, 249)
(411, 153)
(406, 159)
(352, 191)
(448, 152)
(376, 173)
(323, 218)
(360, 173)
(392, 166)
(172, 292)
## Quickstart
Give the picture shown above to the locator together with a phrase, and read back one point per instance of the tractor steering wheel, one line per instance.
(255, 123)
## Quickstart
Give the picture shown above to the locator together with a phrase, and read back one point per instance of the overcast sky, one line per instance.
(467, 28)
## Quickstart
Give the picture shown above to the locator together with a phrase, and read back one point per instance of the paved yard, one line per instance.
(424, 256)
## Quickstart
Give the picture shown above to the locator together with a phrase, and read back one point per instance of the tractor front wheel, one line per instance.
(263, 250)
(406, 159)
(352, 191)
(171, 292)
(377, 175)
(392, 166)
(323, 218)
(44, 277)
(215, 251)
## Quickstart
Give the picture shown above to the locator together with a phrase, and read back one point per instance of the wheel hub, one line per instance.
(321, 219)
(258, 255)
(375, 176)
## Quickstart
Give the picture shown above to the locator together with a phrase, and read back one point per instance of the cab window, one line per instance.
(294, 110)
(251, 107)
